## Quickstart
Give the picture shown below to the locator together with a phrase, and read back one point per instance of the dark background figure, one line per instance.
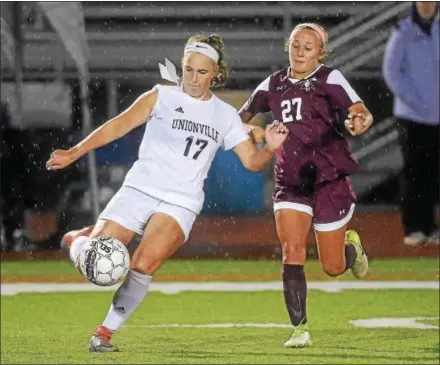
(12, 160)
(411, 71)
(30, 196)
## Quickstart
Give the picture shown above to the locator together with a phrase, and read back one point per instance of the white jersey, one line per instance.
(181, 138)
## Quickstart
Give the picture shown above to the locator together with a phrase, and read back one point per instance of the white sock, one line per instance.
(76, 247)
(126, 299)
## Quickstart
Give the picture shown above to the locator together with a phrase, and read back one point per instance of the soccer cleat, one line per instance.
(68, 238)
(99, 344)
(360, 266)
(100, 341)
(300, 337)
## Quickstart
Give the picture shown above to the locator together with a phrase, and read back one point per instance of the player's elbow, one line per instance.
(252, 159)
(255, 164)
(251, 164)
(253, 168)
(248, 165)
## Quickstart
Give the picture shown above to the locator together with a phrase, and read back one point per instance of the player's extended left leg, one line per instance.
(162, 237)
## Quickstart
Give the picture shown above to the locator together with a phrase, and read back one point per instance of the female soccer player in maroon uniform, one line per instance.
(312, 184)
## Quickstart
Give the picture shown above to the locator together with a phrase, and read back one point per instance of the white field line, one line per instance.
(178, 287)
(411, 322)
(213, 325)
(364, 323)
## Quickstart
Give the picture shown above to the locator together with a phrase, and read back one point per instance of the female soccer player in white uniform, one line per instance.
(163, 192)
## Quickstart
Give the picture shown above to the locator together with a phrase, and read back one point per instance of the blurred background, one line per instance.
(68, 67)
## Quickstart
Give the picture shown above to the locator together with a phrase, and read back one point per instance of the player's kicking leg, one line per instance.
(162, 237)
(71, 243)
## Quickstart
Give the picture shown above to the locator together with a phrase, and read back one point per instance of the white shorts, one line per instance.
(132, 209)
(322, 227)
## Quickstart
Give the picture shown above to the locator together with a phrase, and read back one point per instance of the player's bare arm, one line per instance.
(246, 116)
(115, 128)
(255, 132)
(255, 160)
(359, 119)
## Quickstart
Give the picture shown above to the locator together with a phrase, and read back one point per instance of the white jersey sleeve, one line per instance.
(340, 91)
(235, 134)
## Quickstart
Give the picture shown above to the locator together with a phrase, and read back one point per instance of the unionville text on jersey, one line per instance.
(187, 125)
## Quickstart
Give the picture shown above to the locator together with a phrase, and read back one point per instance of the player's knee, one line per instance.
(293, 252)
(333, 268)
(146, 262)
(145, 266)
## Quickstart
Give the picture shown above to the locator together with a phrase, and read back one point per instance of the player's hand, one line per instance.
(358, 123)
(59, 159)
(256, 133)
(275, 135)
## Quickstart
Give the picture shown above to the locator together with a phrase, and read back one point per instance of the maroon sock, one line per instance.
(350, 256)
(295, 293)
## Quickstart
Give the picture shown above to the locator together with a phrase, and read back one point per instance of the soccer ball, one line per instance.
(104, 261)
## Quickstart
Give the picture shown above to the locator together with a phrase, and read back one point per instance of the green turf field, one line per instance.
(402, 269)
(53, 328)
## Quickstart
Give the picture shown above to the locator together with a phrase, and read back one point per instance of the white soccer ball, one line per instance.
(104, 261)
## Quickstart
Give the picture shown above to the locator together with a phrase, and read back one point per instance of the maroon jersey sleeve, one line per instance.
(339, 91)
(258, 102)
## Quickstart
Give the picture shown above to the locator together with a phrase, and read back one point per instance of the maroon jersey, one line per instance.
(314, 151)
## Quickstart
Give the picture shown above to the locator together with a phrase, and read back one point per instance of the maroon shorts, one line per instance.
(331, 204)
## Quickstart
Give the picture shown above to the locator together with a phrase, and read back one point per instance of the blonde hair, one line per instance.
(323, 49)
(216, 42)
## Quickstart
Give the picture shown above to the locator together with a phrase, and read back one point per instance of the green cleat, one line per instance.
(300, 337)
(360, 266)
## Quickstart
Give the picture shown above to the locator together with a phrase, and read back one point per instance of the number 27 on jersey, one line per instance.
(291, 110)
